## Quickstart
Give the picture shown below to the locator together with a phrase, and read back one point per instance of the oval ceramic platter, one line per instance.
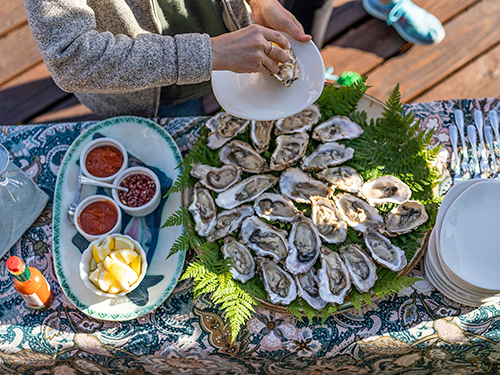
(147, 145)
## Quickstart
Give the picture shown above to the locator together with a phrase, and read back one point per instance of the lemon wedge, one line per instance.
(100, 267)
(128, 255)
(105, 281)
(116, 256)
(92, 265)
(136, 265)
(123, 274)
(94, 277)
(108, 243)
(115, 288)
(123, 243)
(100, 253)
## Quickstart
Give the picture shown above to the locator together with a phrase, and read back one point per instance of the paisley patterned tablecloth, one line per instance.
(418, 331)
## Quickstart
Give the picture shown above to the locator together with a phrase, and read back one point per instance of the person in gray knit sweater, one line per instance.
(131, 57)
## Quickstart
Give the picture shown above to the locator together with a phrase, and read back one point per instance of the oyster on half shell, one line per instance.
(260, 133)
(304, 246)
(343, 178)
(263, 238)
(289, 150)
(386, 189)
(300, 122)
(228, 221)
(275, 207)
(241, 154)
(288, 72)
(279, 284)
(216, 179)
(405, 217)
(300, 186)
(327, 155)
(308, 288)
(358, 213)
(336, 128)
(384, 252)
(361, 269)
(203, 210)
(334, 279)
(243, 264)
(246, 190)
(223, 127)
(328, 220)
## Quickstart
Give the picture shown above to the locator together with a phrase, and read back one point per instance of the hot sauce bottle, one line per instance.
(30, 284)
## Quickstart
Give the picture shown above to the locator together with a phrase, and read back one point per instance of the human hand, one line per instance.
(270, 13)
(249, 50)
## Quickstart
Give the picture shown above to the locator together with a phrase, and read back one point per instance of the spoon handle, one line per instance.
(87, 181)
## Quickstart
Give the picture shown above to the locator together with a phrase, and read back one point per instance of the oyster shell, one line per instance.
(260, 133)
(300, 186)
(204, 210)
(246, 190)
(386, 189)
(361, 269)
(243, 264)
(216, 179)
(289, 71)
(241, 154)
(275, 207)
(405, 217)
(263, 238)
(289, 150)
(334, 279)
(358, 213)
(308, 288)
(343, 178)
(279, 284)
(304, 246)
(300, 122)
(327, 220)
(336, 128)
(327, 155)
(228, 221)
(223, 127)
(384, 252)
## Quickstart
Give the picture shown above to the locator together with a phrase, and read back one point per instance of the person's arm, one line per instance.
(80, 59)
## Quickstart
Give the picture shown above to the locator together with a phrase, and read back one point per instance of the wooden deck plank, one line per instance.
(346, 13)
(18, 52)
(69, 110)
(373, 42)
(12, 15)
(28, 94)
(481, 78)
(468, 35)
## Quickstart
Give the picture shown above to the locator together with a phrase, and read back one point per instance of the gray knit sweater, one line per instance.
(111, 55)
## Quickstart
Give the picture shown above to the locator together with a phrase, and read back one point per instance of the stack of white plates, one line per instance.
(463, 256)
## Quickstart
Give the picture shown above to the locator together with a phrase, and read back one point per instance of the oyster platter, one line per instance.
(281, 203)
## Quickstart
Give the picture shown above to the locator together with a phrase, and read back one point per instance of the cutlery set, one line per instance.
(479, 166)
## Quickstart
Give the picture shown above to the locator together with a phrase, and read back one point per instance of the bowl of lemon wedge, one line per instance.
(113, 265)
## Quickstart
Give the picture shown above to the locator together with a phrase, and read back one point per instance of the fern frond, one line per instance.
(180, 217)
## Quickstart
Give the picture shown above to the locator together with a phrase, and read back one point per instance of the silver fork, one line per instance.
(453, 130)
(471, 132)
(488, 134)
(459, 120)
(493, 115)
(479, 121)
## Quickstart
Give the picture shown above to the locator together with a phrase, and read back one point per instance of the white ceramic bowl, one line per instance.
(87, 257)
(85, 203)
(148, 207)
(98, 143)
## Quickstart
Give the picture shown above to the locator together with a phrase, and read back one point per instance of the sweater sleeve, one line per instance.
(81, 59)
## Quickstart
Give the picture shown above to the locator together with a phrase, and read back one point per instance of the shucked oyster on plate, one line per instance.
(203, 210)
(358, 213)
(328, 220)
(327, 155)
(300, 186)
(289, 150)
(241, 154)
(336, 128)
(386, 189)
(300, 122)
(334, 279)
(228, 221)
(361, 269)
(260, 133)
(243, 264)
(308, 288)
(384, 252)
(342, 178)
(304, 246)
(223, 127)
(216, 179)
(289, 71)
(275, 207)
(279, 284)
(405, 217)
(246, 190)
(264, 239)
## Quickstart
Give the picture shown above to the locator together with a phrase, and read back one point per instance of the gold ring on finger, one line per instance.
(271, 50)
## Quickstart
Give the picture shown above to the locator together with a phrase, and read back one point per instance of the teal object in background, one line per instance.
(348, 78)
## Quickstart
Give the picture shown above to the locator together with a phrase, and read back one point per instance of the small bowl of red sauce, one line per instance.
(97, 216)
(103, 158)
(143, 195)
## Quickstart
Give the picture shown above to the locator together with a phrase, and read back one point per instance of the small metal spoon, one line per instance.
(70, 211)
(88, 181)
